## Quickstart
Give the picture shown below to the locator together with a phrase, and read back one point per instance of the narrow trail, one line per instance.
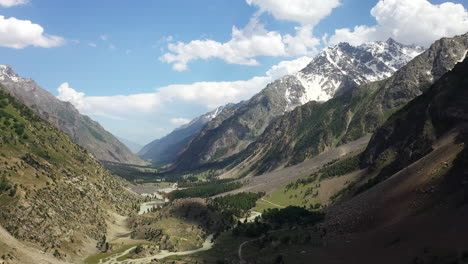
(277, 205)
(208, 244)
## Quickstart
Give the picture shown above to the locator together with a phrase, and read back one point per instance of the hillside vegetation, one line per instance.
(54, 194)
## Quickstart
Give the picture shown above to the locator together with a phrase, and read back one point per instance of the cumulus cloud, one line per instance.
(306, 12)
(245, 45)
(179, 121)
(10, 3)
(208, 94)
(408, 21)
(288, 67)
(117, 106)
(252, 41)
(18, 34)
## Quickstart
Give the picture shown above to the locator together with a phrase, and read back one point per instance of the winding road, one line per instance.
(208, 244)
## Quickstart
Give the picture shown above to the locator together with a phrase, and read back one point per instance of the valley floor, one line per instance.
(271, 181)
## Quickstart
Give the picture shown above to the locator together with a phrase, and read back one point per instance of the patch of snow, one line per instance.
(315, 87)
(6, 73)
(463, 57)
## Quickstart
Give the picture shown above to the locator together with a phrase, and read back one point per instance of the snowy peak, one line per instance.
(395, 55)
(205, 118)
(343, 66)
(8, 74)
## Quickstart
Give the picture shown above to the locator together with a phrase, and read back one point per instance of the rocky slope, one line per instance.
(413, 202)
(410, 133)
(165, 150)
(415, 213)
(333, 71)
(315, 127)
(63, 115)
(54, 194)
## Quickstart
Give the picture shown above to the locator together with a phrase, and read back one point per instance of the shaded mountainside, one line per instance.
(415, 207)
(63, 115)
(410, 133)
(333, 71)
(314, 127)
(53, 193)
(417, 213)
(164, 150)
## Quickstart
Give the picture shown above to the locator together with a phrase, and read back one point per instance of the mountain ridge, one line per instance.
(165, 150)
(54, 194)
(315, 127)
(83, 130)
(326, 75)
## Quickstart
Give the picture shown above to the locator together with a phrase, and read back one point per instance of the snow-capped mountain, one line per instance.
(333, 71)
(7, 74)
(340, 67)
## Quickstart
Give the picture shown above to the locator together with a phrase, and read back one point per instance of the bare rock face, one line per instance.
(63, 115)
(332, 72)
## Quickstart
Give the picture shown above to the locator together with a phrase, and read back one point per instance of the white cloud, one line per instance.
(408, 21)
(179, 121)
(208, 94)
(306, 12)
(117, 106)
(18, 34)
(92, 44)
(10, 3)
(104, 37)
(303, 43)
(245, 45)
(288, 67)
(213, 94)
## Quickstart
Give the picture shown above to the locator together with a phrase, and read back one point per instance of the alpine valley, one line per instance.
(360, 157)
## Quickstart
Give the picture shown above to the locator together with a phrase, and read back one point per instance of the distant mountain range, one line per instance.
(132, 146)
(165, 150)
(63, 115)
(334, 71)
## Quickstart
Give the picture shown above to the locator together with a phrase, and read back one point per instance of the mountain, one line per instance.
(332, 72)
(407, 203)
(411, 204)
(164, 150)
(63, 115)
(56, 200)
(132, 146)
(411, 133)
(314, 127)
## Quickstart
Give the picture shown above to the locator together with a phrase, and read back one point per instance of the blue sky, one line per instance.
(119, 62)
